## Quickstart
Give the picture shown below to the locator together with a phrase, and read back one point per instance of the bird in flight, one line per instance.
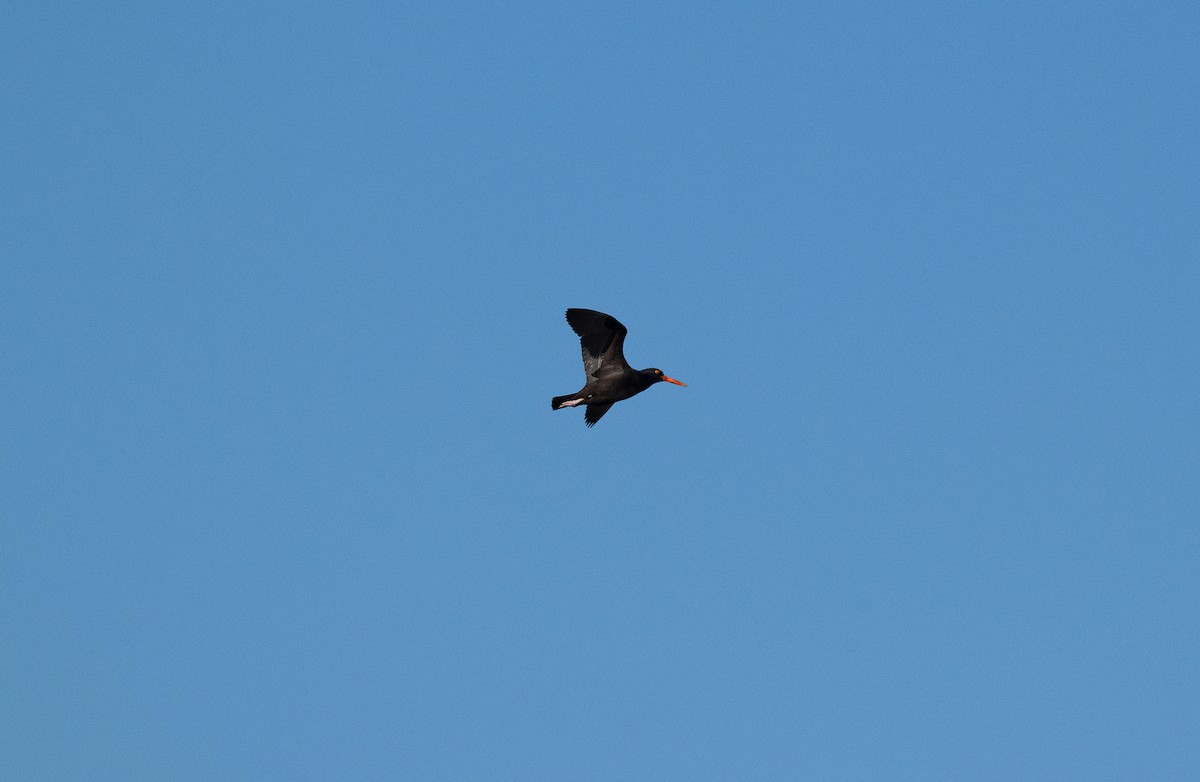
(609, 377)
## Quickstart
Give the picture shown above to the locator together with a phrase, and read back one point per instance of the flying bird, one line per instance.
(609, 377)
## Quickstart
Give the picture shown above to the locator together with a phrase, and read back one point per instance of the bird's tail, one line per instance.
(560, 401)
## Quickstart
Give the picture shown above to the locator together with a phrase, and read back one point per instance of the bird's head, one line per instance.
(657, 376)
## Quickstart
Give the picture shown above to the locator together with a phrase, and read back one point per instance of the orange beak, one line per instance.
(673, 380)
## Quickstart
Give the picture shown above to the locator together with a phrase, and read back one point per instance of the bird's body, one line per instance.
(609, 378)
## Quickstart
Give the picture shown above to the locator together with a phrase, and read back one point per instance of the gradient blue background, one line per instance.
(282, 313)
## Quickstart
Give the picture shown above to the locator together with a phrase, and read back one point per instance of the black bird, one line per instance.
(609, 377)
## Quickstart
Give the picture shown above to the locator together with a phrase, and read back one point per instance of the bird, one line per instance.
(609, 377)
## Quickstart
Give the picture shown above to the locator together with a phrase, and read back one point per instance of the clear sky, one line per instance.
(281, 310)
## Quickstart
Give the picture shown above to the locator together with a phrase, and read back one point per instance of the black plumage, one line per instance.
(609, 378)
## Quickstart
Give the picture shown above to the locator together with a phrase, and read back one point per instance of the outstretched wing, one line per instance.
(602, 338)
(593, 412)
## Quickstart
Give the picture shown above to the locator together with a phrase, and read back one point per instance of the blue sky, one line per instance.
(282, 313)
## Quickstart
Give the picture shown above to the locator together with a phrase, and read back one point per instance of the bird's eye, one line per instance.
(658, 372)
